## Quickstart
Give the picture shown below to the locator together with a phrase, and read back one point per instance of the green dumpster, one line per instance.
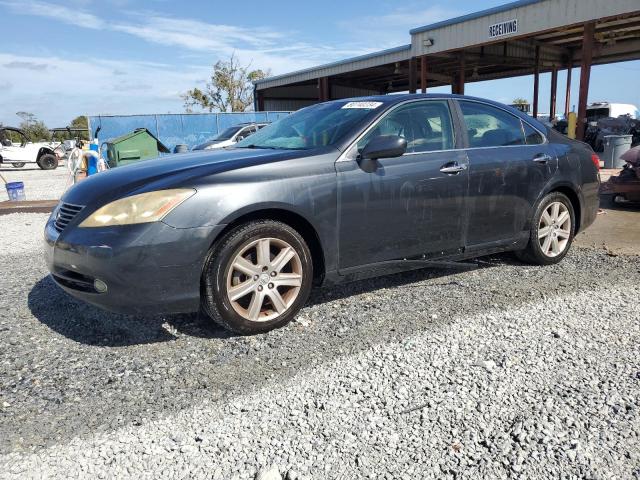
(138, 145)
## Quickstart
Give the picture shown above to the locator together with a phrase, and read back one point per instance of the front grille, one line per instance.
(66, 213)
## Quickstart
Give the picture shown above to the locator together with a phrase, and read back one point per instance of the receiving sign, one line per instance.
(503, 28)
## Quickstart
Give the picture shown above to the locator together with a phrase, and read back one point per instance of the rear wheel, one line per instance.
(552, 231)
(18, 164)
(48, 161)
(257, 277)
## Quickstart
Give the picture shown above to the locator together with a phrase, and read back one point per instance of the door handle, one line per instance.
(453, 168)
(542, 158)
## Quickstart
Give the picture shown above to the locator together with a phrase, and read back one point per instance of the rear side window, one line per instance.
(531, 135)
(426, 126)
(488, 126)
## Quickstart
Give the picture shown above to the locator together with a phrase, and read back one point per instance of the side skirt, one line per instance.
(455, 262)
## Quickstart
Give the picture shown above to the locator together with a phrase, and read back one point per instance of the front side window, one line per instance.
(488, 126)
(426, 126)
(227, 133)
(247, 131)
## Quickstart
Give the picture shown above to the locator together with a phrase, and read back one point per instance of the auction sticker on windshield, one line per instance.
(365, 105)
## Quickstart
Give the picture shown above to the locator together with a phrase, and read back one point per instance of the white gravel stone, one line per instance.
(397, 395)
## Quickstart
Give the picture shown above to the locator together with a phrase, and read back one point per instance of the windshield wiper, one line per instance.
(269, 147)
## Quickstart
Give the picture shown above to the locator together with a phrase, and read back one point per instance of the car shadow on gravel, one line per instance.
(89, 325)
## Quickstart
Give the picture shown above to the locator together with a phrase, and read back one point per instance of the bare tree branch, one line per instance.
(230, 88)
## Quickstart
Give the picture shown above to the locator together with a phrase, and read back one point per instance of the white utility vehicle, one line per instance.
(599, 110)
(22, 152)
(231, 136)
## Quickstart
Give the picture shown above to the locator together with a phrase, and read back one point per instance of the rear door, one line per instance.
(510, 162)
(411, 205)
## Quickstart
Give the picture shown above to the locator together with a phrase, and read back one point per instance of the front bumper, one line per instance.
(148, 268)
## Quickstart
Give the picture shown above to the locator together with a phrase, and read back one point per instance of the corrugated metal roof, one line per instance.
(360, 58)
(472, 16)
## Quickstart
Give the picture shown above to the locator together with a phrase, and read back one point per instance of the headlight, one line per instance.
(142, 208)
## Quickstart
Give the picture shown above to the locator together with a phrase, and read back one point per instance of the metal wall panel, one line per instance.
(286, 104)
(532, 18)
(384, 57)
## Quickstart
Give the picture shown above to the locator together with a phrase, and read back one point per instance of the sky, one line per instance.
(60, 59)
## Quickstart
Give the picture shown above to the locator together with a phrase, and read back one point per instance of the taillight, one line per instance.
(596, 161)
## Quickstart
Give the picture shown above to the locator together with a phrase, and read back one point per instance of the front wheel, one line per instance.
(48, 161)
(257, 277)
(552, 231)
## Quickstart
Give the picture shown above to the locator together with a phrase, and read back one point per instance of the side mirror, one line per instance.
(385, 146)
(240, 137)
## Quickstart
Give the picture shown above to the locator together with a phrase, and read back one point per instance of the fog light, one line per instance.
(100, 286)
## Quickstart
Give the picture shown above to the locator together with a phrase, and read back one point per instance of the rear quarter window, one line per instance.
(531, 135)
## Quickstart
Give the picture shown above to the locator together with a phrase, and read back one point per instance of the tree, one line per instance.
(34, 129)
(230, 88)
(520, 101)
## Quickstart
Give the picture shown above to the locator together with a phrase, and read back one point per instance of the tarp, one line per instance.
(190, 129)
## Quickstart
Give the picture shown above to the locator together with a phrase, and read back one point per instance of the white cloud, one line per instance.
(392, 29)
(56, 12)
(264, 47)
(98, 85)
(69, 88)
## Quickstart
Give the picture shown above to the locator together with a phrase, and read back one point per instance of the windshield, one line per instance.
(227, 134)
(316, 126)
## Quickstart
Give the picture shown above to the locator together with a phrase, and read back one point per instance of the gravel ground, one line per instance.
(506, 371)
(38, 184)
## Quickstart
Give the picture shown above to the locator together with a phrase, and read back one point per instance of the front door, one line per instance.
(408, 206)
(509, 165)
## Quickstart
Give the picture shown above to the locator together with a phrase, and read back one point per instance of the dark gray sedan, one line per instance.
(334, 192)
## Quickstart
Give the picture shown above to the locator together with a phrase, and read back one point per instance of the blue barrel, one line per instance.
(15, 190)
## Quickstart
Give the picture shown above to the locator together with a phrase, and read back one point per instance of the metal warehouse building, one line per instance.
(526, 37)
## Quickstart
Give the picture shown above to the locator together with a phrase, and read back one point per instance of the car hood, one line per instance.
(171, 171)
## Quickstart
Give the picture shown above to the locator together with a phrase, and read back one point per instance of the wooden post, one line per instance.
(413, 73)
(585, 76)
(567, 99)
(536, 82)
(423, 74)
(554, 93)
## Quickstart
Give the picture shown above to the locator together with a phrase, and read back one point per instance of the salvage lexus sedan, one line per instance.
(334, 192)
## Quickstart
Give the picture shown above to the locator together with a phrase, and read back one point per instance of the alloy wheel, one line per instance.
(264, 279)
(554, 230)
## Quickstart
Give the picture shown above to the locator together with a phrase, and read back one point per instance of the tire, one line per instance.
(48, 161)
(535, 252)
(18, 164)
(240, 247)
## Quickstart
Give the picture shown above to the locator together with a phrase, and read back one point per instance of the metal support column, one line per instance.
(567, 99)
(554, 93)
(324, 94)
(423, 74)
(260, 101)
(536, 82)
(413, 73)
(585, 76)
(461, 75)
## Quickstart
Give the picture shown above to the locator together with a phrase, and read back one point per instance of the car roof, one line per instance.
(393, 99)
